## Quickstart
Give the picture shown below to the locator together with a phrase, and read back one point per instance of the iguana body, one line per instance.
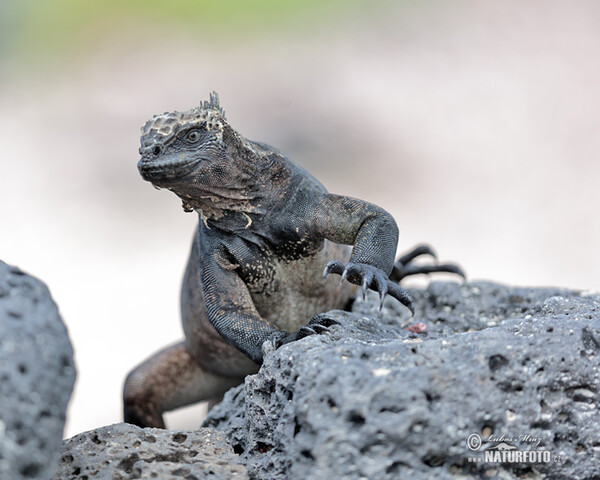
(266, 231)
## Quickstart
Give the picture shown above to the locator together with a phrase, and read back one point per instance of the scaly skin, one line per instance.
(268, 236)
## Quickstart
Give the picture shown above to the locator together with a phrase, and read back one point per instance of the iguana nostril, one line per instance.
(157, 150)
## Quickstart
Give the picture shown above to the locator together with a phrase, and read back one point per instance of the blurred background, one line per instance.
(475, 123)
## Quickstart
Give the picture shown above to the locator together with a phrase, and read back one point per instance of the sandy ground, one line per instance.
(475, 126)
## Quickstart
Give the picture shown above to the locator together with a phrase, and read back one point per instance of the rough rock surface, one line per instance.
(373, 400)
(36, 377)
(122, 451)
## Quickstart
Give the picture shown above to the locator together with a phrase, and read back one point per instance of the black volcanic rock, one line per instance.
(37, 374)
(123, 451)
(512, 366)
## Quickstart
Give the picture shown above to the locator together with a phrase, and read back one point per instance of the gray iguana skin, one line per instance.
(267, 229)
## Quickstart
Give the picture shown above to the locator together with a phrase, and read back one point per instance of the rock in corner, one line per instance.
(37, 374)
(497, 382)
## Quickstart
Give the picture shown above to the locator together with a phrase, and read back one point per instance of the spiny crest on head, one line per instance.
(213, 104)
(163, 128)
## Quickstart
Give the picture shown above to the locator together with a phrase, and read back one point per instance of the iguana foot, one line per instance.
(368, 276)
(320, 323)
(404, 266)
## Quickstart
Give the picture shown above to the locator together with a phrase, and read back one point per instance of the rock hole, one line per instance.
(263, 447)
(95, 439)
(356, 418)
(550, 329)
(297, 427)
(22, 368)
(30, 470)
(432, 460)
(179, 437)
(395, 467)
(307, 454)
(127, 463)
(497, 361)
(510, 386)
(238, 449)
(543, 424)
(65, 361)
(430, 397)
(183, 472)
(524, 472)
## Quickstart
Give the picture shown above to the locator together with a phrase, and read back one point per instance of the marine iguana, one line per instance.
(268, 236)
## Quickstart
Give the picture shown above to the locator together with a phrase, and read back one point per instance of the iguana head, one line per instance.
(199, 157)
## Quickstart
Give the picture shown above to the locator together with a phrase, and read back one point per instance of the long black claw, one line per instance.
(381, 300)
(446, 267)
(402, 295)
(366, 283)
(416, 252)
(352, 270)
(383, 290)
(450, 268)
(368, 276)
(322, 319)
(320, 328)
(320, 323)
(334, 266)
(306, 330)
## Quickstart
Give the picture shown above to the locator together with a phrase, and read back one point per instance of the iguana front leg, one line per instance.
(228, 302)
(374, 236)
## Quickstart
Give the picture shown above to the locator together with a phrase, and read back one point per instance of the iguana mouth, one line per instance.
(165, 170)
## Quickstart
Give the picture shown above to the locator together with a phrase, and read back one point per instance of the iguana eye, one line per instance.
(193, 136)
